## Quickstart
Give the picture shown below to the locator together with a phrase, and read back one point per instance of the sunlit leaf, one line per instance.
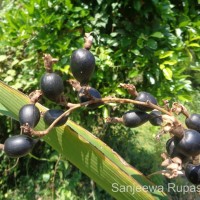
(157, 35)
(167, 73)
(166, 54)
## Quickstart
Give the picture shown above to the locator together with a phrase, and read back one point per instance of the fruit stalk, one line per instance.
(103, 100)
(48, 62)
(165, 171)
(1, 146)
(88, 41)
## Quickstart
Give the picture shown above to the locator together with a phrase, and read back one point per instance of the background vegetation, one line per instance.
(152, 44)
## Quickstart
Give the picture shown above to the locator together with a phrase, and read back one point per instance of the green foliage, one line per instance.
(152, 44)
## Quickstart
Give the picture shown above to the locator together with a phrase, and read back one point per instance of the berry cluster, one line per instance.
(182, 148)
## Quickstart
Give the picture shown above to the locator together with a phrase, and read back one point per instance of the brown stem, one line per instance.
(45, 132)
(114, 120)
(173, 126)
(35, 96)
(48, 62)
(166, 105)
(131, 89)
(179, 108)
(88, 41)
(103, 100)
(195, 160)
(1, 146)
(185, 113)
(75, 84)
(163, 172)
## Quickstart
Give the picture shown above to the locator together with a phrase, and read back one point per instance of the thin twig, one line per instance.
(103, 100)
(54, 177)
(163, 172)
(7, 170)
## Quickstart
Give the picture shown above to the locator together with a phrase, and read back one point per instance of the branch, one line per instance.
(48, 62)
(1, 146)
(103, 100)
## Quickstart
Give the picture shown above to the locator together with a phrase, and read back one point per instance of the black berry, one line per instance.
(53, 114)
(144, 97)
(192, 173)
(156, 118)
(82, 65)
(193, 122)
(29, 114)
(87, 94)
(189, 145)
(135, 118)
(18, 145)
(173, 152)
(52, 86)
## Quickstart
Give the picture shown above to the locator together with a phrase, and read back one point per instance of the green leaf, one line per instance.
(152, 44)
(157, 35)
(140, 42)
(6, 112)
(105, 112)
(193, 45)
(170, 62)
(120, 91)
(184, 98)
(167, 73)
(88, 153)
(195, 38)
(8, 79)
(2, 58)
(46, 177)
(166, 54)
(137, 5)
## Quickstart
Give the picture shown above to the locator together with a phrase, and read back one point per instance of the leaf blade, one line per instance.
(85, 151)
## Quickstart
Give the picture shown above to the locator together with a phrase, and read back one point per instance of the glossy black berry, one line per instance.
(82, 65)
(29, 114)
(144, 97)
(135, 118)
(156, 118)
(192, 173)
(193, 122)
(173, 152)
(19, 145)
(189, 145)
(51, 115)
(87, 94)
(52, 86)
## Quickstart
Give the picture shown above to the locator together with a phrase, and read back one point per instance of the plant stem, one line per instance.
(164, 171)
(1, 146)
(103, 100)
